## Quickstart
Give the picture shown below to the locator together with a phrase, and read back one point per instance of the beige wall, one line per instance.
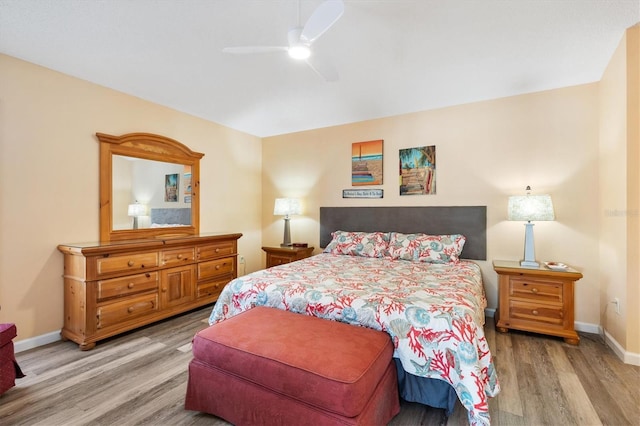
(485, 152)
(613, 194)
(633, 188)
(49, 180)
(620, 192)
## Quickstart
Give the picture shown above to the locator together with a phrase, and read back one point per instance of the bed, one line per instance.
(417, 286)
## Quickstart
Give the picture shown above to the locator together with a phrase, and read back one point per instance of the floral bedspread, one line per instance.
(433, 312)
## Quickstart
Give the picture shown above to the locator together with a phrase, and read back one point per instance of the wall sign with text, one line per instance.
(362, 193)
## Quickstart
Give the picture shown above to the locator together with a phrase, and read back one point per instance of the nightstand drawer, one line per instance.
(536, 312)
(536, 290)
(282, 255)
(275, 260)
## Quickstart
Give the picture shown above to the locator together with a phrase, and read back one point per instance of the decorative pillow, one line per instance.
(426, 248)
(365, 244)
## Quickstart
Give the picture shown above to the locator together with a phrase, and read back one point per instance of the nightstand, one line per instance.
(539, 300)
(280, 255)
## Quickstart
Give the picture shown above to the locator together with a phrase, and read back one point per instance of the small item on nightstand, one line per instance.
(556, 266)
(300, 245)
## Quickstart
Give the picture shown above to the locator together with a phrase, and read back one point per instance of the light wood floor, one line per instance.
(140, 378)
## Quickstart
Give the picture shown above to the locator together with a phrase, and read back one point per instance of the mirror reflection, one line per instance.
(150, 194)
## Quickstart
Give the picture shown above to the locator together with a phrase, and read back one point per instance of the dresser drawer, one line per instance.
(536, 290)
(128, 263)
(211, 289)
(125, 286)
(125, 310)
(213, 250)
(177, 257)
(216, 268)
(549, 314)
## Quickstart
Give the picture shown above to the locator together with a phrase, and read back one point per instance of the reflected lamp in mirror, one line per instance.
(286, 207)
(136, 210)
(528, 208)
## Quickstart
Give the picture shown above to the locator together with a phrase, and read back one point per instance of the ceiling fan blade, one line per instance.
(247, 50)
(322, 19)
(324, 69)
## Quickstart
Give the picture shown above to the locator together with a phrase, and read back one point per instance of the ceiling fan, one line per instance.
(301, 39)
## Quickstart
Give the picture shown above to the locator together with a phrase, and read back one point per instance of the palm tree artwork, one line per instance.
(418, 170)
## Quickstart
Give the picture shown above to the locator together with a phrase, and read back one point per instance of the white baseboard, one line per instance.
(34, 342)
(626, 357)
(586, 327)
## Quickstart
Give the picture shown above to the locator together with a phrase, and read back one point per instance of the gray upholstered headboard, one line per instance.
(470, 221)
(179, 216)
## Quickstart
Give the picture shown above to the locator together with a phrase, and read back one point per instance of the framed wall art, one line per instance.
(366, 163)
(418, 170)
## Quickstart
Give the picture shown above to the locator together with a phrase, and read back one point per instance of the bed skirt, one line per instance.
(432, 392)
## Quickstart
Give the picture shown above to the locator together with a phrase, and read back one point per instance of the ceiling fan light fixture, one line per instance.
(299, 51)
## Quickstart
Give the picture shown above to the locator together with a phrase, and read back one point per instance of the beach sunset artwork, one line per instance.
(418, 171)
(366, 163)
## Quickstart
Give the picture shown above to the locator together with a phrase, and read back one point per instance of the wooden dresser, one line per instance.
(538, 300)
(113, 287)
(280, 255)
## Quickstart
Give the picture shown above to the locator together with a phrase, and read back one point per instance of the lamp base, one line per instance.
(286, 238)
(529, 264)
(529, 248)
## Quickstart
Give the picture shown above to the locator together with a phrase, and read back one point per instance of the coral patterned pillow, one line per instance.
(426, 248)
(365, 244)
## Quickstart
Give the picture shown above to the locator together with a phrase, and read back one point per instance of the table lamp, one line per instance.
(530, 208)
(285, 207)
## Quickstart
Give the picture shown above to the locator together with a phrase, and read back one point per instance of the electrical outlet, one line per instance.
(616, 302)
(241, 260)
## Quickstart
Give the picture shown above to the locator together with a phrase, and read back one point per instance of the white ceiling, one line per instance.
(393, 57)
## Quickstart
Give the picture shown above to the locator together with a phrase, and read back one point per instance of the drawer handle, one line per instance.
(130, 263)
(217, 267)
(164, 289)
(534, 290)
(534, 312)
(130, 285)
(179, 256)
(130, 309)
(217, 250)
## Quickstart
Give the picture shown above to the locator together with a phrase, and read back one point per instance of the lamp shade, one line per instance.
(287, 206)
(137, 209)
(530, 208)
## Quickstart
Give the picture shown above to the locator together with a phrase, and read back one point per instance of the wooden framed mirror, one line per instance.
(149, 187)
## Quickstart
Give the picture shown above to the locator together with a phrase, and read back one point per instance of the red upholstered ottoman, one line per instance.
(9, 369)
(272, 367)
